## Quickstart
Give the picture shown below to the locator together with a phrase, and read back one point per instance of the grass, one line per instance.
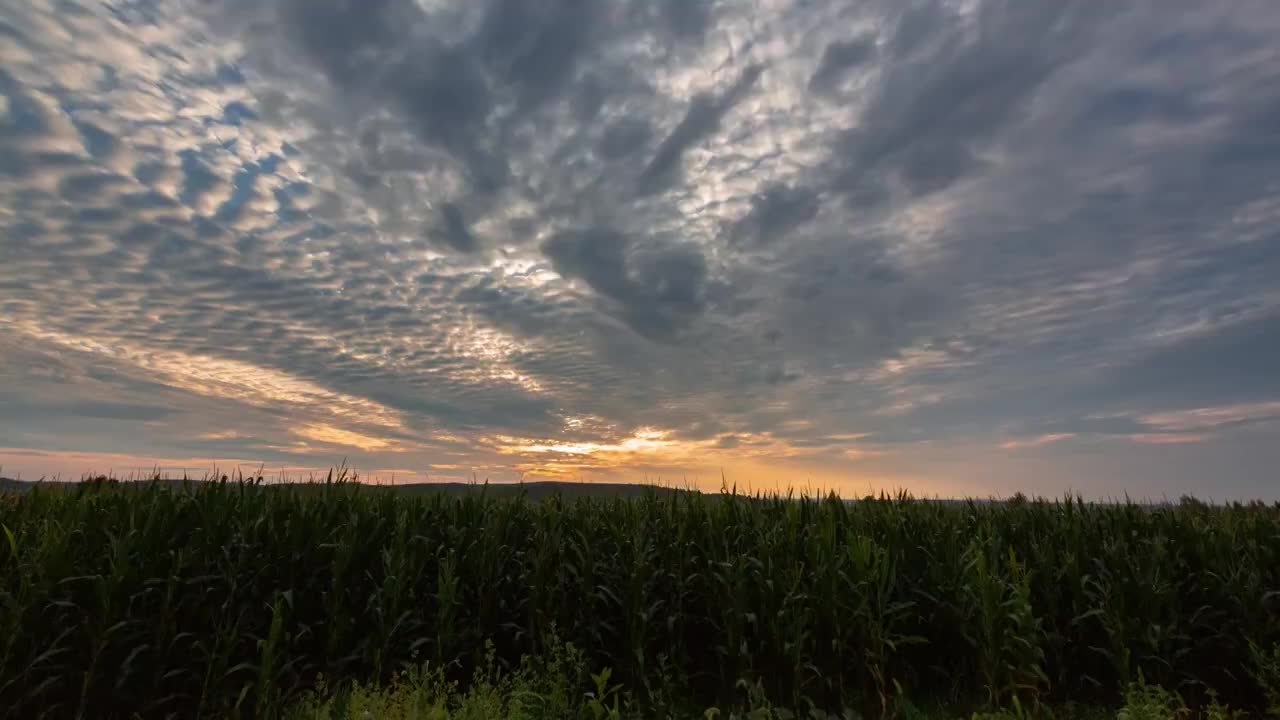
(233, 599)
(556, 691)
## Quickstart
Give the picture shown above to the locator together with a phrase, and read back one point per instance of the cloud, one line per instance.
(838, 58)
(1168, 438)
(951, 88)
(1215, 418)
(1035, 441)
(806, 236)
(686, 19)
(336, 436)
(776, 212)
(659, 289)
(1227, 361)
(702, 118)
(454, 229)
(624, 137)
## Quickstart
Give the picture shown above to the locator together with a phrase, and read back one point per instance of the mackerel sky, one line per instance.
(959, 247)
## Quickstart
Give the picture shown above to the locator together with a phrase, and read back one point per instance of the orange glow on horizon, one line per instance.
(738, 474)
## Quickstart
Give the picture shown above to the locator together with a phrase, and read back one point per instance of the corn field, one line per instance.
(231, 599)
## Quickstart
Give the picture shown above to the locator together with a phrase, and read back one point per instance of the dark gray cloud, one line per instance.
(776, 212)
(686, 19)
(946, 91)
(92, 409)
(839, 57)
(702, 118)
(659, 290)
(454, 229)
(1227, 364)
(625, 137)
(807, 235)
(464, 94)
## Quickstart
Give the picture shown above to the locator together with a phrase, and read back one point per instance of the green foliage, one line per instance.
(1265, 670)
(228, 600)
(1151, 702)
(1217, 711)
(552, 689)
(1007, 644)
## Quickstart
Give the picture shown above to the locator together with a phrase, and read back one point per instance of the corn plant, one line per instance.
(229, 599)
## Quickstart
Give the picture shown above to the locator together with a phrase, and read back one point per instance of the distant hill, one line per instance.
(536, 490)
(532, 490)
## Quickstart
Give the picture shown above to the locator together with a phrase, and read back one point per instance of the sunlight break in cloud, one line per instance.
(337, 436)
(230, 379)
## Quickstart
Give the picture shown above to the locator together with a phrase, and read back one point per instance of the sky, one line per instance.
(960, 247)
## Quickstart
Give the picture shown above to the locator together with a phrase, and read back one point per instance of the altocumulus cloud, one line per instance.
(963, 247)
